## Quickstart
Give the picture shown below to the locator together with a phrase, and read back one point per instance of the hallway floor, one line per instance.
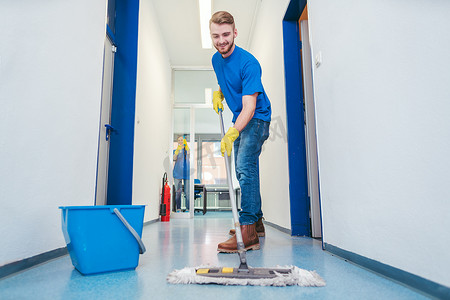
(181, 243)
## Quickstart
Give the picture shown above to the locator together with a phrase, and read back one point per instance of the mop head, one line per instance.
(295, 276)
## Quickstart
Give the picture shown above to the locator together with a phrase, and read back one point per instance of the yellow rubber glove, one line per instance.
(185, 145)
(178, 149)
(227, 141)
(217, 101)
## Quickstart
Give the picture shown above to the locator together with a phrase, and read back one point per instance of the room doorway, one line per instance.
(195, 120)
(303, 171)
(105, 121)
(310, 127)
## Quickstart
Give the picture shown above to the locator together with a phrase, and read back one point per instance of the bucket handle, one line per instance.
(132, 231)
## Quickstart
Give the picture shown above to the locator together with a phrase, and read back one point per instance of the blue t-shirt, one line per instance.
(181, 168)
(238, 75)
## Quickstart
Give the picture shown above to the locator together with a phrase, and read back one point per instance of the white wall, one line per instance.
(51, 61)
(207, 120)
(152, 139)
(382, 102)
(267, 47)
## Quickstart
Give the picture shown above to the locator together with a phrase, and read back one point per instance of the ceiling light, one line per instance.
(205, 15)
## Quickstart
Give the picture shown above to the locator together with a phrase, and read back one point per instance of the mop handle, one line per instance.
(240, 242)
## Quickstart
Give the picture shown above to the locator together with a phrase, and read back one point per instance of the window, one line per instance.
(213, 169)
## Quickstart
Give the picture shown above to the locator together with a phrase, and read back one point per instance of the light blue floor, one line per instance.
(182, 243)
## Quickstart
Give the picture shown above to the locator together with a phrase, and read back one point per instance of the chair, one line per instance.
(197, 191)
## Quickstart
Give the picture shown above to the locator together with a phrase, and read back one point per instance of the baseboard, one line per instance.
(30, 262)
(415, 282)
(151, 222)
(282, 229)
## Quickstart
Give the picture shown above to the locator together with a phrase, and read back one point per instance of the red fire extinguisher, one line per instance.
(164, 208)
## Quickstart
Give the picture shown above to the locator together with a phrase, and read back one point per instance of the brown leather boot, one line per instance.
(259, 229)
(249, 237)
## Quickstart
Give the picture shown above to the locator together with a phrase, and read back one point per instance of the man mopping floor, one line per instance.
(239, 77)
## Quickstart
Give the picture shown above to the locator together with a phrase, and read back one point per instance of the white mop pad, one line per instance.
(298, 277)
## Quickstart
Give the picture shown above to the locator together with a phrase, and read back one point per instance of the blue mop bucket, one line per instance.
(103, 238)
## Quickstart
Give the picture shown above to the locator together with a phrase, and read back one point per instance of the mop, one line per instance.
(243, 275)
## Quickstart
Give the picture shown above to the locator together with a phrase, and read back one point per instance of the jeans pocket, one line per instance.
(266, 130)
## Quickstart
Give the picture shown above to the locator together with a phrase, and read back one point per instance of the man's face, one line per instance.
(223, 36)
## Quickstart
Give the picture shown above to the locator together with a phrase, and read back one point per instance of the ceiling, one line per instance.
(180, 26)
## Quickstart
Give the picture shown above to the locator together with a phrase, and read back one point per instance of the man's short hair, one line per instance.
(222, 17)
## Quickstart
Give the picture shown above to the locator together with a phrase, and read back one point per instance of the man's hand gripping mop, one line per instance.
(243, 275)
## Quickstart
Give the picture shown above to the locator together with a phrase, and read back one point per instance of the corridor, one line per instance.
(192, 242)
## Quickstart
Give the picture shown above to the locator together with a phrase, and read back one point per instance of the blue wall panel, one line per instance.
(120, 173)
(298, 183)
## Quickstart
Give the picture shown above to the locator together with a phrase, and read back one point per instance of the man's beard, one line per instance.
(226, 50)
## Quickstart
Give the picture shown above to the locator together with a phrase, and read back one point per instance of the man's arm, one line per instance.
(248, 110)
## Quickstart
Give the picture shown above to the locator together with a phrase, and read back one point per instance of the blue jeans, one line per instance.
(179, 189)
(247, 148)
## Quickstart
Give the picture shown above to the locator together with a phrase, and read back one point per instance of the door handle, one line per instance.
(109, 129)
